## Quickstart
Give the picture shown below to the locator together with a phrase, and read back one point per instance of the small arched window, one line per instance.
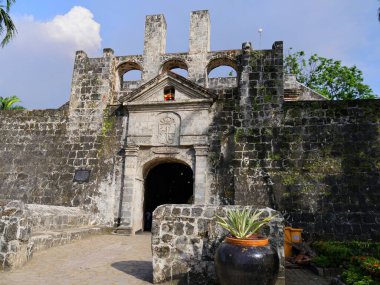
(129, 75)
(177, 66)
(169, 93)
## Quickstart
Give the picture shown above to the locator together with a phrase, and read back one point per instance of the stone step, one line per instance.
(48, 239)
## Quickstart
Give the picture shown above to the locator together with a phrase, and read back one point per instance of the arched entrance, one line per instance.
(167, 183)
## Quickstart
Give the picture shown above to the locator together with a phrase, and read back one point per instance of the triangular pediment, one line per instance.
(153, 91)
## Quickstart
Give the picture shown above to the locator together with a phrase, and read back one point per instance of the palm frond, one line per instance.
(7, 103)
(9, 4)
(7, 23)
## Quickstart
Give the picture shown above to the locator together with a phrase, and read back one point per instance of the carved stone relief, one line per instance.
(168, 129)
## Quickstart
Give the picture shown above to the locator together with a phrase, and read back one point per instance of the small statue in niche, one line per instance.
(169, 93)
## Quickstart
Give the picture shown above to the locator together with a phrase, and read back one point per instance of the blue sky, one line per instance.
(37, 65)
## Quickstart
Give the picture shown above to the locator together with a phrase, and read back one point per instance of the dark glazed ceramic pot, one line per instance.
(238, 262)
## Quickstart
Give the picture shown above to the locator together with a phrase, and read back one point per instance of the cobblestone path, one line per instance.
(106, 260)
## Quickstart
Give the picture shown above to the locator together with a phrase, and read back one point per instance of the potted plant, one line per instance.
(245, 256)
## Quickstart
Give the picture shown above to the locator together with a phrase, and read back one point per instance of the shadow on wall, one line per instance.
(331, 188)
(142, 270)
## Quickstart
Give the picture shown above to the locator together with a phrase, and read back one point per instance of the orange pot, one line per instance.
(247, 242)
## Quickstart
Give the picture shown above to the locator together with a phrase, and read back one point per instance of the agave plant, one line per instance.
(244, 223)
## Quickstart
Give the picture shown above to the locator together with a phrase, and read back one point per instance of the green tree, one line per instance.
(328, 76)
(6, 23)
(7, 103)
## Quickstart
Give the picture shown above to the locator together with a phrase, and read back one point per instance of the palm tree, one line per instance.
(6, 23)
(7, 103)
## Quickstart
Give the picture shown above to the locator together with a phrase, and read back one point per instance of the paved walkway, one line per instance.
(106, 260)
(98, 260)
(303, 277)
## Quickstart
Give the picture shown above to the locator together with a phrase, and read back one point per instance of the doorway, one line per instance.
(167, 183)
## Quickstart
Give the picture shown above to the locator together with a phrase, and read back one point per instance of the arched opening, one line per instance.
(224, 69)
(129, 75)
(167, 183)
(177, 66)
(132, 75)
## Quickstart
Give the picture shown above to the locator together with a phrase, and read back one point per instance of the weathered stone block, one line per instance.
(178, 229)
(2, 227)
(162, 251)
(11, 232)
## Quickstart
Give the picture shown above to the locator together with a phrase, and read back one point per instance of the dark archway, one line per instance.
(167, 183)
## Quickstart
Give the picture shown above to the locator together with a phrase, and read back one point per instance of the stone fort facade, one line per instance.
(259, 139)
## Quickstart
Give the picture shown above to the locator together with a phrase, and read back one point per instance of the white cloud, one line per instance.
(77, 27)
(75, 30)
(37, 65)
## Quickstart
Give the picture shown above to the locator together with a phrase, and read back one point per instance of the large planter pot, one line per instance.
(246, 262)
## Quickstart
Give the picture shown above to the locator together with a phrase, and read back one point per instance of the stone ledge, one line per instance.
(45, 240)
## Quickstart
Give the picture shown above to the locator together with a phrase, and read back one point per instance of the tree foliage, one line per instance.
(8, 103)
(6, 23)
(328, 76)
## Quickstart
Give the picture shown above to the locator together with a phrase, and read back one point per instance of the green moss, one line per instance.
(322, 164)
(291, 178)
(251, 132)
(238, 135)
(256, 56)
(273, 156)
(214, 159)
(108, 123)
(255, 105)
(268, 98)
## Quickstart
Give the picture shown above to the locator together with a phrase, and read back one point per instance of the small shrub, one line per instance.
(360, 259)
(354, 276)
(322, 261)
(368, 264)
(335, 254)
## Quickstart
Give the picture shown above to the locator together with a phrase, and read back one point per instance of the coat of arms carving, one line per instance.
(167, 131)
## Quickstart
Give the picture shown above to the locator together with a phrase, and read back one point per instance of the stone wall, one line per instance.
(328, 174)
(222, 83)
(184, 240)
(34, 156)
(27, 228)
(39, 159)
(320, 167)
(221, 151)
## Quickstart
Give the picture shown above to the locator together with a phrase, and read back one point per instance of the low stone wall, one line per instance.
(15, 232)
(185, 238)
(26, 228)
(48, 218)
